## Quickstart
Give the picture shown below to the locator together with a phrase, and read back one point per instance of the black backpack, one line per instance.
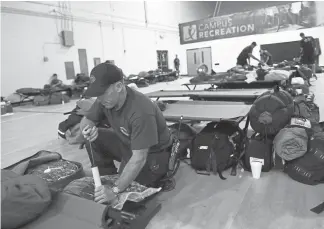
(309, 169)
(259, 147)
(216, 148)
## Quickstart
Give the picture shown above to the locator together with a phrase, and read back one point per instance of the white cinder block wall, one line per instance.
(29, 32)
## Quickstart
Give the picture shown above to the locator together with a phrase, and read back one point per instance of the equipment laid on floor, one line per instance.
(28, 94)
(217, 148)
(238, 95)
(70, 211)
(48, 207)
(235, 85)
(6, 108)
(259, 147)
(309, 169)
(271, 112)
(49, 166)
(212, 111)
(23, 199)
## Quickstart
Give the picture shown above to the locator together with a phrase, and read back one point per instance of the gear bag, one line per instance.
(308, 169)
(259, 147)
(216, 148)
(271, 111)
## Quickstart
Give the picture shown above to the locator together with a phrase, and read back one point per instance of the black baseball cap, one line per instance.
(101, 77)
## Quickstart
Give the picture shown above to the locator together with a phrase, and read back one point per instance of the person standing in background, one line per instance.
(307, 51)
(176, 64)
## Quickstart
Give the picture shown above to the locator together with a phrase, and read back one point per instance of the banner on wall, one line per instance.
(293, 16)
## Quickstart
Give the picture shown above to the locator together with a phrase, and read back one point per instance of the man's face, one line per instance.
(302, 36)
(111, 96)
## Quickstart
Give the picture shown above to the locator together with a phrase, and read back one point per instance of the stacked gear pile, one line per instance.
(287, 130)
(144, 79)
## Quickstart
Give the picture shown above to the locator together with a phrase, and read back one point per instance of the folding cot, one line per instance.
(237, 95)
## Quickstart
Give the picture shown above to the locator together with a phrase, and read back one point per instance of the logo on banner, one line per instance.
(189, 33)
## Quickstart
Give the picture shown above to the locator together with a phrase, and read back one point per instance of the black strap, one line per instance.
(318, 209)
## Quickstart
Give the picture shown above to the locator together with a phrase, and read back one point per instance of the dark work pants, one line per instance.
(108, 147)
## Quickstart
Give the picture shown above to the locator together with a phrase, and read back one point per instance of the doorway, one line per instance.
(83, 61)
(96, 61)
(163, 60)
(197, 57)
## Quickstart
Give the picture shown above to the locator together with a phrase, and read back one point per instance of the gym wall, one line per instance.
(30, 31)
(225, 51)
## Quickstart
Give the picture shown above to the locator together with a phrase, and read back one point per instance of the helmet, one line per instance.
(202, 70)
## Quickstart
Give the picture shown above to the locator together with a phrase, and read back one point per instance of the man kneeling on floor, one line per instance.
(138, 138)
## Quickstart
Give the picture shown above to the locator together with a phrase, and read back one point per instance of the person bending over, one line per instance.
(139, 137)
(307, 51)
(243, 60)
(266, 57)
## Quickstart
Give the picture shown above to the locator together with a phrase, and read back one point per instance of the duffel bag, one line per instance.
(186, 135)
(23, 199)
(271, 111)
(259, 147)
(308, 169)
(216, 148)
(51, 167)
(261, 73)
(58, 98)
(41, 100)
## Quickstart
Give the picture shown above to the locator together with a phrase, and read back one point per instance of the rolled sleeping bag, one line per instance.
(271, 112)
(275, 75)
(297, 81)
(291, 143)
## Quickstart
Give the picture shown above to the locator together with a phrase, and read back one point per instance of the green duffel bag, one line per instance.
(58, 98)
(41, 100)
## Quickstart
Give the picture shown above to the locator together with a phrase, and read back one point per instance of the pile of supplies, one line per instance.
(6, 107)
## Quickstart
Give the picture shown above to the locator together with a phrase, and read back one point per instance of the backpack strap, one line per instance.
(318, 209)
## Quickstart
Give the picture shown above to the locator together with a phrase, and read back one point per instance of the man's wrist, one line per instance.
(115, 190)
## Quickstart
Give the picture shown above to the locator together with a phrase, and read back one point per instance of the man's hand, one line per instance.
(90, 134)
(104, 195)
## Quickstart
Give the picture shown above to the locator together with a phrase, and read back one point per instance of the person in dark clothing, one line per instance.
(243, 60)
(139, 137)
(55, 81)
(266, 57)
(307, 51)
(176, 63)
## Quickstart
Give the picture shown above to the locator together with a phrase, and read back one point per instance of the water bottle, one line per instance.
(240, 170)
